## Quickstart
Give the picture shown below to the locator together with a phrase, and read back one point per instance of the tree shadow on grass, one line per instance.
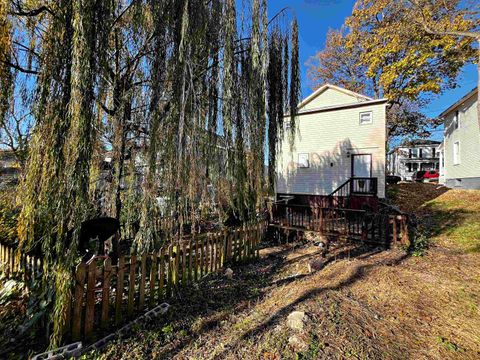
(216, 299)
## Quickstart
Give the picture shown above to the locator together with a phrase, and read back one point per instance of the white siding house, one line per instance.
(413, 156)
(339, 135)
(461, 144)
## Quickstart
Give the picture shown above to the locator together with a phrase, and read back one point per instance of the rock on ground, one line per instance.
(296, 320)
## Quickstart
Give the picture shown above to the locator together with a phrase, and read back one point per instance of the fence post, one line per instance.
(143, 277)
(131, 284)
(190, 261)
(90, 300)
(78, 301)
(153, 277)
(161, 274)
(184, 265)
(107, 272)
(169, 269)
(405, 236)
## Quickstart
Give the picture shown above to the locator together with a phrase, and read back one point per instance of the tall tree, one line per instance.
(388, 47)
(173, 93)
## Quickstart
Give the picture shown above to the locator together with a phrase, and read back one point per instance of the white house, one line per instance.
(460, 154)
(420, 154)
(339, 135)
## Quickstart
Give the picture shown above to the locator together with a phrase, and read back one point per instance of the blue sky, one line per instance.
(315, 17)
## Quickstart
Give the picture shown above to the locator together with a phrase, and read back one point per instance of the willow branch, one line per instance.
(19, 68)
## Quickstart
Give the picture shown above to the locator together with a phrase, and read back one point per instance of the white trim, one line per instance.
(322, 88)
(343, 106)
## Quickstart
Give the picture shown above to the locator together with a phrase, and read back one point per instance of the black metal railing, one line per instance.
(363, 186)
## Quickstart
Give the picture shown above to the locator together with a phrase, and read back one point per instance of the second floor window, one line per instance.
(366, 118)
(455, 120)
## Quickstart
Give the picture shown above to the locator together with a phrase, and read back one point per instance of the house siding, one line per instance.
(466, 174)
(327, 137)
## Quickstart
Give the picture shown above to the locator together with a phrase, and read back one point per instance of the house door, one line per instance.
(362, 165)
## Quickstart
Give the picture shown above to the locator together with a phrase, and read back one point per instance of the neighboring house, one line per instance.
(461, 144)
(413, 156)
(339, 135)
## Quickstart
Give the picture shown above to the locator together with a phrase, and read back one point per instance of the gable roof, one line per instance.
(459, 102)
(324, 87)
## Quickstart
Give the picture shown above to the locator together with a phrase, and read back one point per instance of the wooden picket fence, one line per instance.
(12, 264)
(107, 294)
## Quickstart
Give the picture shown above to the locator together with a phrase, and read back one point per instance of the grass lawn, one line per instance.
(371, 304)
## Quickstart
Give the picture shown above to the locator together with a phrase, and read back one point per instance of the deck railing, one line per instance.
(353, 224)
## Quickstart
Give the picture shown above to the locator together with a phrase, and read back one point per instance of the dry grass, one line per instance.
(375, 304)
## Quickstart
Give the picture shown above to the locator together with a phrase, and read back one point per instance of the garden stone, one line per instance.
(296, 320)
(297, 343)
(229, 273)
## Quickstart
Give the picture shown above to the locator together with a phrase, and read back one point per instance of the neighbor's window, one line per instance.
(456, 153)
(303, 161)
(366, 118)
(455, 120)
(414, 153)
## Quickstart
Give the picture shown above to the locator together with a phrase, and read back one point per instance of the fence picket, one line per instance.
(78, 300)
(190, 261)
(169, 269)
(161, 274)
(153, 278)
(143, 277)
(107, 273)
(184, 265)
(131, 284)
(90, 299)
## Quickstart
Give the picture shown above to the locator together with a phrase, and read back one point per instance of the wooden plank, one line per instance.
(177, 264)
(202, 253)
(153, 278)
(215, 252)
(131, 284)
(161, 274)
(120, 288)
(190, 261)
(78, 301)
(169, 269)
(90, 300)
(184, 264)
(143, 277)
(107, 273)
(196, 259)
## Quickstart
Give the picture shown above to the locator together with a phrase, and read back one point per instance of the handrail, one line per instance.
(340, 187)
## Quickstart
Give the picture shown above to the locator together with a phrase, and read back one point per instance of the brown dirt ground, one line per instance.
(363, 304)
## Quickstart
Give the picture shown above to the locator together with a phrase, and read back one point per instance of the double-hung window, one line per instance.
(456, 153)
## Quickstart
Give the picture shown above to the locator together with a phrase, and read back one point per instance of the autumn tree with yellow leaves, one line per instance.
(404, 50)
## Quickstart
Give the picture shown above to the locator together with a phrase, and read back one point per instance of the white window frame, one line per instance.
(303, 160)
(456, 120)
(370, 121)
(456, 153)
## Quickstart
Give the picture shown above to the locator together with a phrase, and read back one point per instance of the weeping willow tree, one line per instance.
(185, 98)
